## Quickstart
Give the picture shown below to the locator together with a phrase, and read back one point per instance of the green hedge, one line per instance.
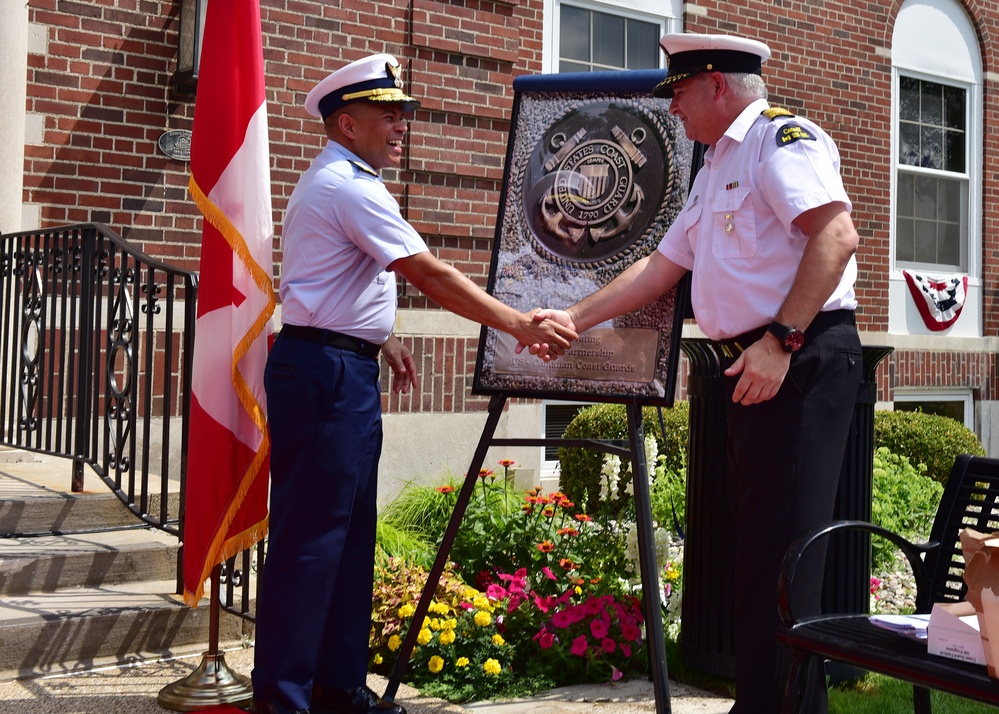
(929, 439)
(580, 468)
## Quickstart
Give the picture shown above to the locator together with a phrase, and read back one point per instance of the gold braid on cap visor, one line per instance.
(379, 94)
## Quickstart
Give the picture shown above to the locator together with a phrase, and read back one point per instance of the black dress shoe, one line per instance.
(329, 700)
(259, 707)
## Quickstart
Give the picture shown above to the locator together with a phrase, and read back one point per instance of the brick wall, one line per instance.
(103, 90)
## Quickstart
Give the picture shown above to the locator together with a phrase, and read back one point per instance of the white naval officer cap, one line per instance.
(377, 78)
(688, 54)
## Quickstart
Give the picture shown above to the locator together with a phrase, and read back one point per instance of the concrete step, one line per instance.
(50, 563)
(35, 497)
(70, 602)
(78, 628)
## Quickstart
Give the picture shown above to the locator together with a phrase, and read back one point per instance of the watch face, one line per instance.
(794, 340)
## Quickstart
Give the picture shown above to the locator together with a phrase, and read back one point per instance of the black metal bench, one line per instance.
(970, 500)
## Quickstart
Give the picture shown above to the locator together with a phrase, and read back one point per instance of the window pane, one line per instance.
(608, 40)
(904, 239)
(905, 189)
(954, 410)
(925, 247)
(954, 108)
(931, 103)
(931, 147)
(565, 66)
(557, 419)
(643, 45)
(926, 197)
(954, 151)
(949, 241)
(908, 99)
(574, 34)
(908, 144)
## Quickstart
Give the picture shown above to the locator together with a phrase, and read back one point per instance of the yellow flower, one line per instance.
(462, 662)
(482, 603)
(438, 608)
(436, 664)
(395, 642)
(450, 623)
(424, 636)
(446, 637)
(492, 667)
(483, 618)
(406, 610)
(435, 624)
(578, 590)
(377, 659)
(498, 640)
(470, 592)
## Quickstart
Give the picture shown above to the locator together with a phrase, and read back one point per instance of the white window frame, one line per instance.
(668, 14)
(935, 40)
(550, 468)
(941, 395)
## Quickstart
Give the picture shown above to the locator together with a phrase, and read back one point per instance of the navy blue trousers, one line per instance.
(785, 457)
(314, 609)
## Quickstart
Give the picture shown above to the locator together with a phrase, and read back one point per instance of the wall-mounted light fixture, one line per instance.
(192, 33)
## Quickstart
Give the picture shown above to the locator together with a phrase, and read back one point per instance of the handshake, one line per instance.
(548, 334)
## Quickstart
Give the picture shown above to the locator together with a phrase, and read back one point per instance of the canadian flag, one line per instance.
(229, 449)
(939, 300)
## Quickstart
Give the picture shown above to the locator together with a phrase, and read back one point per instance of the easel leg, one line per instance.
(654, 636)
(444, 550)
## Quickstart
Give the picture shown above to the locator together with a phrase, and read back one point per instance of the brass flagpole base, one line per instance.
(211, 684)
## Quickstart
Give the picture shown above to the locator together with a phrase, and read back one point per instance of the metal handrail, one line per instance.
(96, 343)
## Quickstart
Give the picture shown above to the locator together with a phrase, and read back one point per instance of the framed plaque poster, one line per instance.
(596, 171)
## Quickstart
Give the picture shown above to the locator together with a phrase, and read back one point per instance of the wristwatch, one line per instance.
(791, 338)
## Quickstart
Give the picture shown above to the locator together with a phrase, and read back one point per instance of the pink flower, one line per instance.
(630, 631)
(515, 600)
(579, 646)
(547, 640)
(598, 629)
(626, 649)
(562, 619)
(548, 573)
(593, 606)
(608, 644)
(543, 603)
(496, 592)
(616, 674)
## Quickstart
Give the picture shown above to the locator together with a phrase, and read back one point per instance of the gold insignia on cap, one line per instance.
(395, 72)
(710, 67)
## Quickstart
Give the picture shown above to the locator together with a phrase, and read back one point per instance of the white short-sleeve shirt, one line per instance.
(735, 233)
(341, 231)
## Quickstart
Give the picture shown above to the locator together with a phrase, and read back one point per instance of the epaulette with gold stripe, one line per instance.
(772, 113)
(364, 167)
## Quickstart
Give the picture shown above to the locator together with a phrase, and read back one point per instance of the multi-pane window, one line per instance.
(931, 220)
(593, 41)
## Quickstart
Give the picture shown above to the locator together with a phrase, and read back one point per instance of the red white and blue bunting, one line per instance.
(938, 299)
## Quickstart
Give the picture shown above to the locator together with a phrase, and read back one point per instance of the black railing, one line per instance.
(96, 341)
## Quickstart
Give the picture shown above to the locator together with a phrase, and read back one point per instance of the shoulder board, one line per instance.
(364, 167)
(774, 112)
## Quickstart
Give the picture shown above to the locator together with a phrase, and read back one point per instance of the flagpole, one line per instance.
(212, 683)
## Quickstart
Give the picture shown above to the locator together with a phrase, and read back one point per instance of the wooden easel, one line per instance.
(635, 450)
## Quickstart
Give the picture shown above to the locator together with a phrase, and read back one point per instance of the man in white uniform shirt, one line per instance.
(767, 236)
(343, 239)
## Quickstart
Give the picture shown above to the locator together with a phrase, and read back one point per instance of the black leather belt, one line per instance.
(735, 346)
(331, 338)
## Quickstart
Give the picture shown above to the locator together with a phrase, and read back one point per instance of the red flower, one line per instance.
(445, 489)
(582, 518)
(546, 546)
(608, 644)
(485, 472)
(507, 463)
(568, 531)
(630, 632)
(598, 629)
(579, 646)
(549, 512)
(546, 639)
(567, 564)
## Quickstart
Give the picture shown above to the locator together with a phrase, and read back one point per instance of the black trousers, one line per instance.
(784, 458)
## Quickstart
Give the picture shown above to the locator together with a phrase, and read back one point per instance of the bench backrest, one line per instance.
(970, 500)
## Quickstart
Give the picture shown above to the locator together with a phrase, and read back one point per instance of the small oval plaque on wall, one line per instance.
(176, 143)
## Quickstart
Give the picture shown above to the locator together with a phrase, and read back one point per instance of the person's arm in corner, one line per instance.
(451, 289)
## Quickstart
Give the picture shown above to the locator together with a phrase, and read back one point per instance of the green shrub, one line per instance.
(929, 439)
(905, 501)
(580, 468)
(668, 495)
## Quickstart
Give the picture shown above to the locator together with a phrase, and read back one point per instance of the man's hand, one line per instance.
(763, 366)
(402, 364)
(546, 350)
